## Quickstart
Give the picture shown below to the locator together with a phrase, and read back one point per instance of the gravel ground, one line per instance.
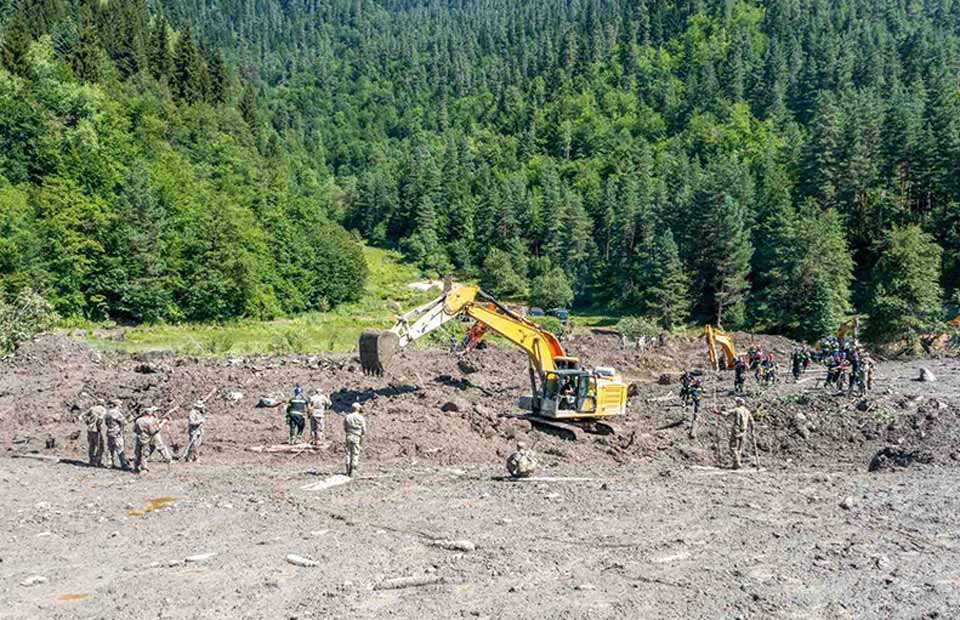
(642, 525)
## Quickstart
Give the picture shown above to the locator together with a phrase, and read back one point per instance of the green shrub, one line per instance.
(28, 315)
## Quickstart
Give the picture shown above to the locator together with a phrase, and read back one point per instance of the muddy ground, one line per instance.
(647, 524)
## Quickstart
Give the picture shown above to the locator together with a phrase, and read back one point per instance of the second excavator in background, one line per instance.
(565, 397)
(717, 339)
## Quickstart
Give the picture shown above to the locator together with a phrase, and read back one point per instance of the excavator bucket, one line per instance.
(376, 349)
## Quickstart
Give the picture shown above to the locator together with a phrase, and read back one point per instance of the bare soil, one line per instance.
(646, 523)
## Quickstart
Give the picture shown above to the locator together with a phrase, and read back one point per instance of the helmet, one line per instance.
(739, 401)
(297, 391)
(199, 405)
(356, 406)
(151, 409)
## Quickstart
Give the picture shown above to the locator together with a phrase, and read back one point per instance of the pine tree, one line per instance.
(668, 296)
(810, 274)
(190, 78)
(729, 255)
(159, 57)
(823, 153)
(248, 107)
(14, 43)
(906, 299)
(86, 57)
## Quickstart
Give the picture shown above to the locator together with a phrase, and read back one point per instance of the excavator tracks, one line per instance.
(567, 429)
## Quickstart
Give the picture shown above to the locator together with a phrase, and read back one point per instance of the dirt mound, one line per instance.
(46, 349)
(427, 408)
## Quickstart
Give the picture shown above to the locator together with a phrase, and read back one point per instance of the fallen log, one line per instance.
(39, 457)
(454, 545)
(282, 448)
(543, 479)
(408, 582)
(299, 560)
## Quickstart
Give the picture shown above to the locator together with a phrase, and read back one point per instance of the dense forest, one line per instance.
(778, 165)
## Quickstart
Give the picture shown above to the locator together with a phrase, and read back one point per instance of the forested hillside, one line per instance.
(778, 165)
(132, 185)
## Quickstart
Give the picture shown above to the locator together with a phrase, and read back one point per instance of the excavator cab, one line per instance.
(568, 392)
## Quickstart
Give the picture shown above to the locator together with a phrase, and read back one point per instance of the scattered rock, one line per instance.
(892, 457)
(298, 560)
(199, 558)
(454, 406)
(664, 379)
(33, 580)
(466, 367)
(585, 586)
(234, 397)
(455, 545)
(847, 502)
(926, 376)
(146, 369)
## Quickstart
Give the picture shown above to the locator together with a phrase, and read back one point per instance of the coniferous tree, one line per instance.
(906, 299)
(218, 77)
(810, 274)
(14, 43)
(668, 295)
(190, 76)
(159, 56)
(248, 110)
(729, 255)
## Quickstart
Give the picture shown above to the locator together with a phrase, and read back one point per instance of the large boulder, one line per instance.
(926, 376)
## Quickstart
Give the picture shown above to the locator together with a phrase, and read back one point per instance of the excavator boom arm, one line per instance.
(376, 347)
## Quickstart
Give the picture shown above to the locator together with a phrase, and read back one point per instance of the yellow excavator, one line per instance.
(564, 398)
(851, 327)
(717, 338)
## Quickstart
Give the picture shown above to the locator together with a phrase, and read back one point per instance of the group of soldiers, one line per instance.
(300, 408)
(106, 428)
(106, 425)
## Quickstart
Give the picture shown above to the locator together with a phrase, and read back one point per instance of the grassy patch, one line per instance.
(386, 294)
(335, 330)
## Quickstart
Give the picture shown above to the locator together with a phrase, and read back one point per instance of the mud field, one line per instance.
(644, 524)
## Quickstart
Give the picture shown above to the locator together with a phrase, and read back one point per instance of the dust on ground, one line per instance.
(646, 526)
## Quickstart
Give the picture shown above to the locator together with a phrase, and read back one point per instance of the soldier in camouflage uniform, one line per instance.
(195, 422)
(742, 425)
(522, 463)
(115, 423)
(146, 435)
(93, 419)
(317, 408)
(354, 428)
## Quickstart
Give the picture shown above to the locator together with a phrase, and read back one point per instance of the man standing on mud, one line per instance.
(354, 428)
(317, 408)
(739, 375)
(93, 419)
(195, 422)
(742, 425)
(115, 423)
(296, 409)
(146, 435)
(695, 392)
